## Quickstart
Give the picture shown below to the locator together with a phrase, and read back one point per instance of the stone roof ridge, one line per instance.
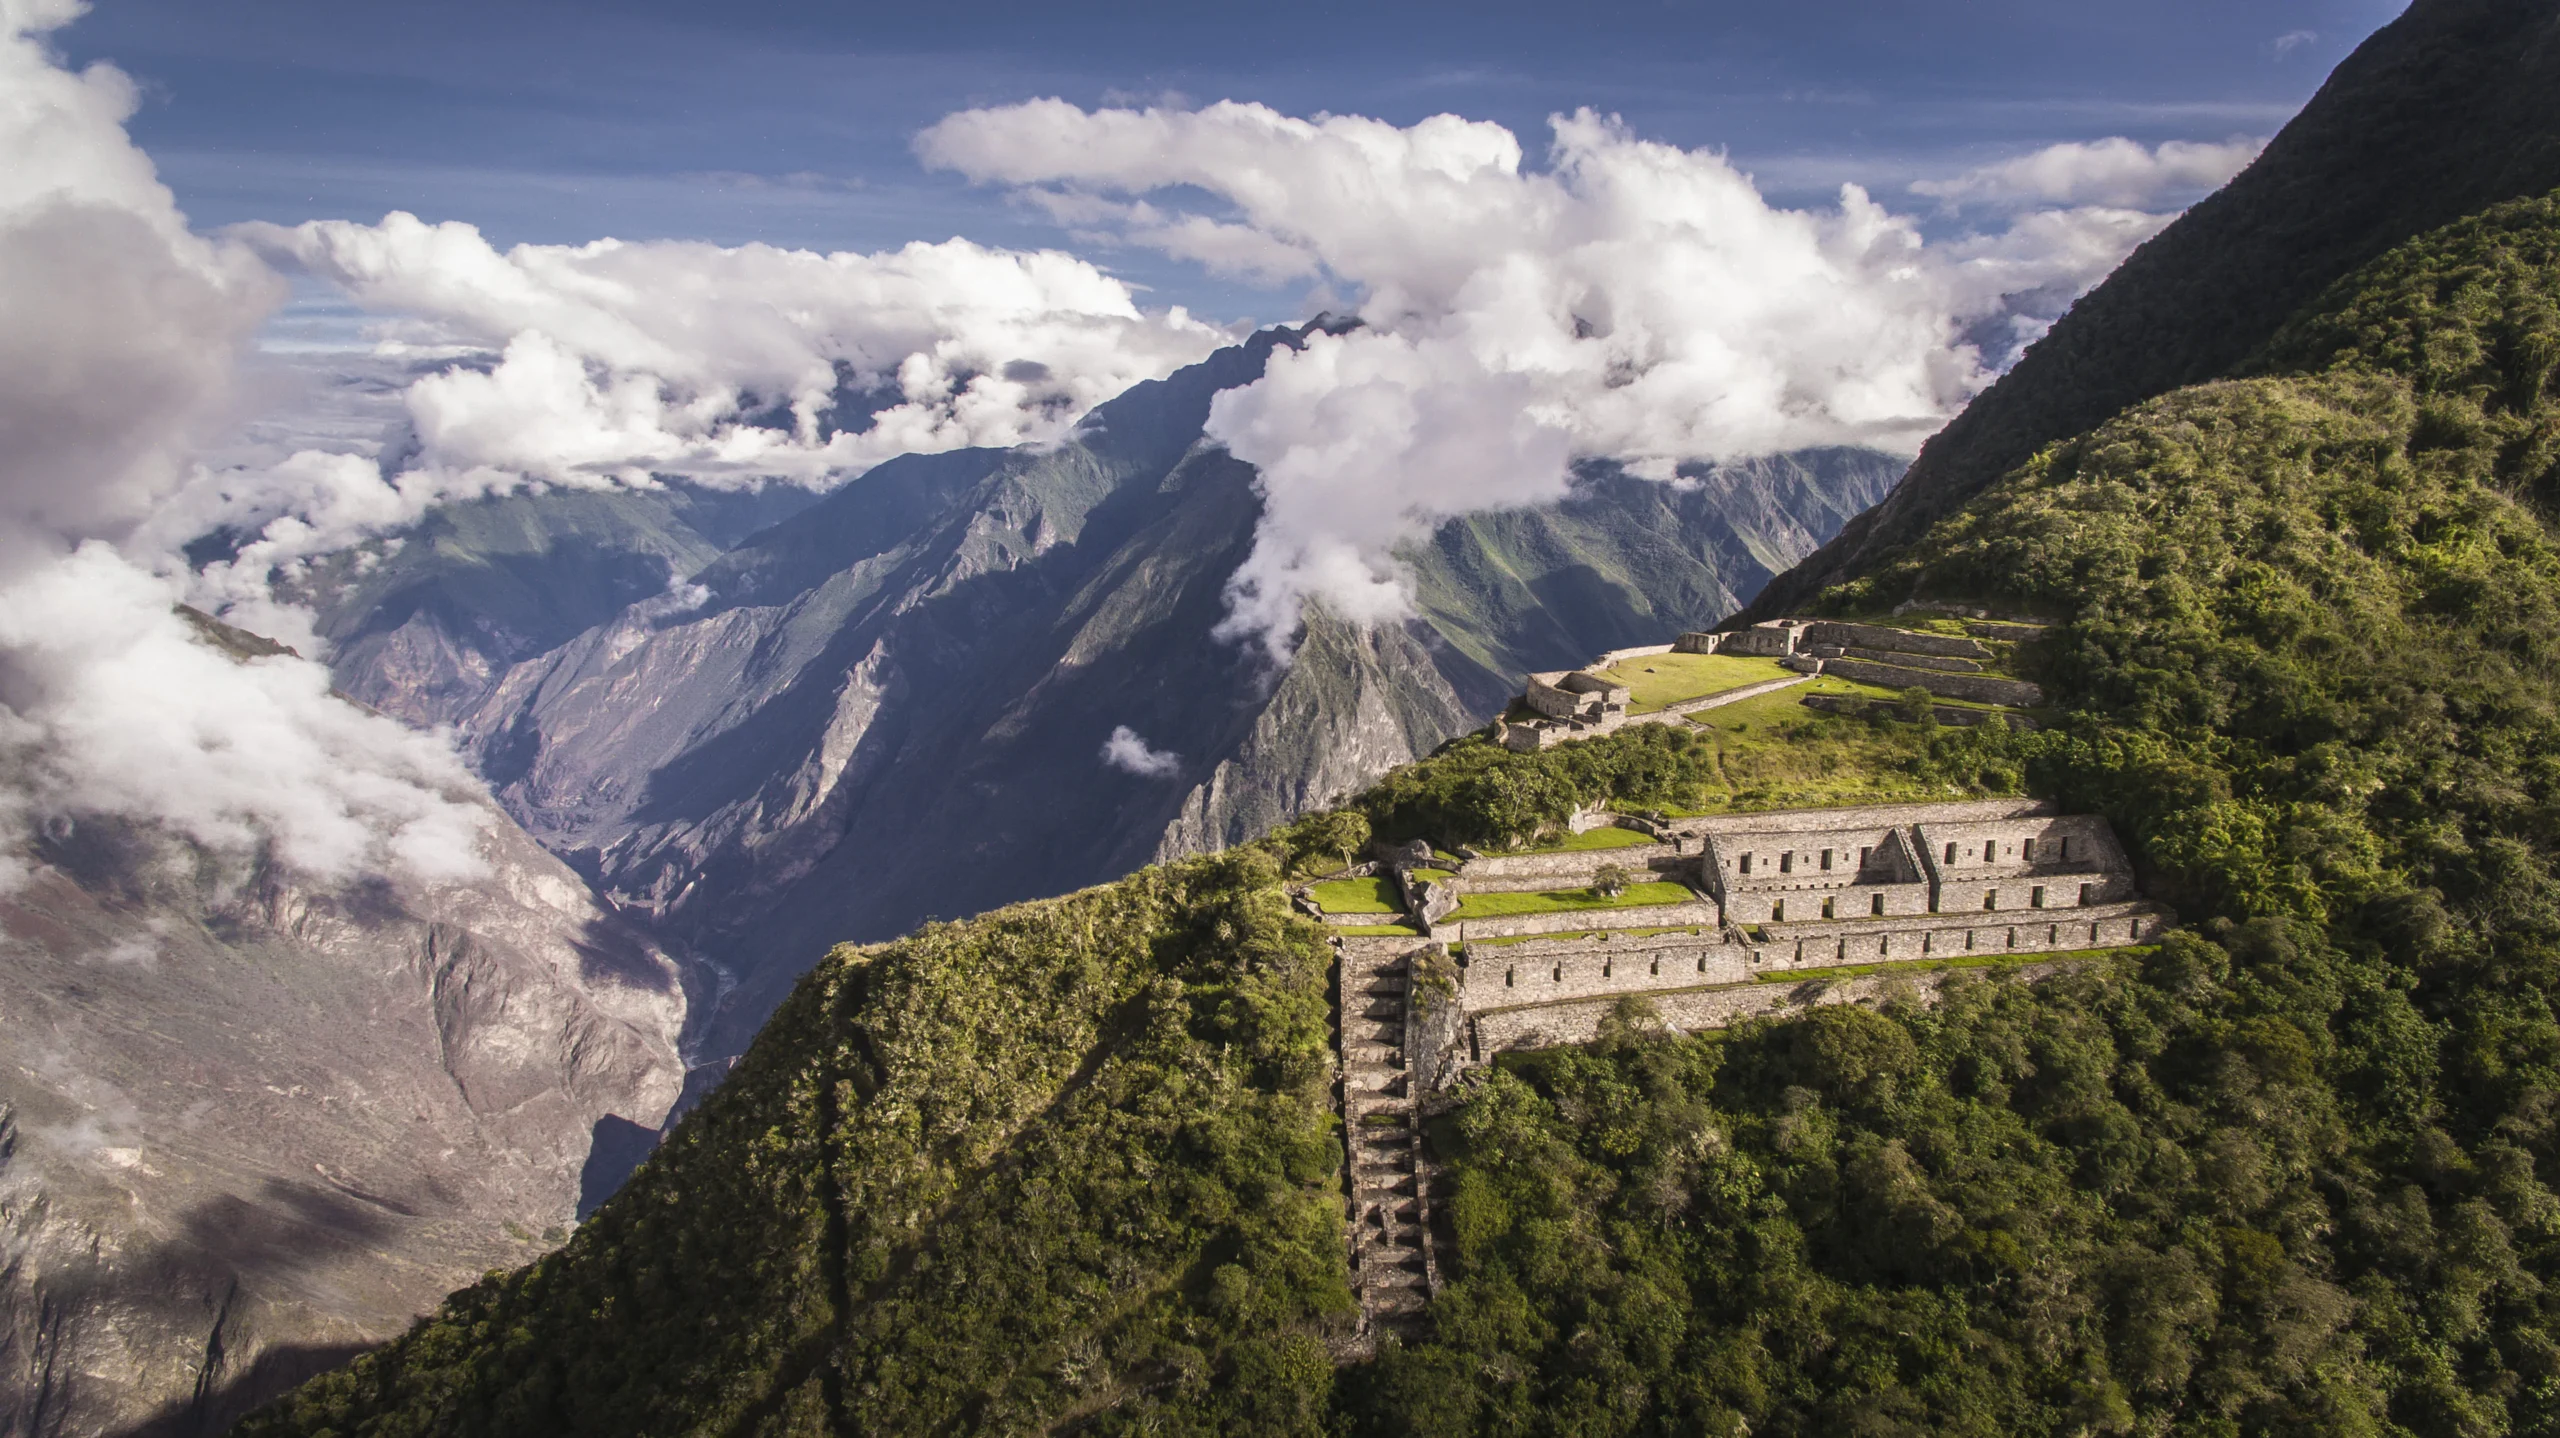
(1878, 816)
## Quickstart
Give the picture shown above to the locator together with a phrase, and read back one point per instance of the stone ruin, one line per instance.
(1777, 912)
(1947, 665)
(1766, 896)
(1562, 705)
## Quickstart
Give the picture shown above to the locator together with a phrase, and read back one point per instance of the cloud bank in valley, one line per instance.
(616, 363)
(1631, 302)
(119, 332)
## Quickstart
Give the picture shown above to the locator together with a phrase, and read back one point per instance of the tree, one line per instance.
(1610, 880)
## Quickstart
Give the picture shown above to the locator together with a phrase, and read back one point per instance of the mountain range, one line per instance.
(891, 703)
(1074, 1165)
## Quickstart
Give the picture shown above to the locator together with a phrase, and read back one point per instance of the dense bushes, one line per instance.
(1073, 1156)
(1072, 1165)
(2292, 1175)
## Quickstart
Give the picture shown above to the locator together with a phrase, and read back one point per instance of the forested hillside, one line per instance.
(2451, 108)
(2293, 1172)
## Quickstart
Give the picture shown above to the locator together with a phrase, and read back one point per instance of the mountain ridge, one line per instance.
(2362, 168)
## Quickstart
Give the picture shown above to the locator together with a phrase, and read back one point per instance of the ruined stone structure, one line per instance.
(1758, 914)
(1569, 704)
(1781, 911)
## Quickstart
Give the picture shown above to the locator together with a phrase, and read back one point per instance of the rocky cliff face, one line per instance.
(892, 705)
(248, 1127)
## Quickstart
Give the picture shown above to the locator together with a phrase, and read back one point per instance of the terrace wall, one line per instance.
(1542, 971)
(1641, 916)
(1979, 688)
(1540, 1026)
(1877, 636)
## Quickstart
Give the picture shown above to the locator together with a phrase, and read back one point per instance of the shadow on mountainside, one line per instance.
(214, 1407)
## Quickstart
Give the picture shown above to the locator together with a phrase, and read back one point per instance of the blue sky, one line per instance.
(791, 122)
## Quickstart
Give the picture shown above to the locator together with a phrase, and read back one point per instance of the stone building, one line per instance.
(1566, 704)
(1772, 894)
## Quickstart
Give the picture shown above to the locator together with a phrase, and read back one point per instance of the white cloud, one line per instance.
(615, 362)
(2292, 40)
(119, 333)
(1633, 302)
(2116, 173)
(1125, 750)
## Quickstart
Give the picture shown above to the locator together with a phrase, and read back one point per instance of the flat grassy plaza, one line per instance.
(1561, 901)
(1659, 680)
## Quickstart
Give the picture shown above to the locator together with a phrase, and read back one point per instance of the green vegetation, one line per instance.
(1658, 681)
(1764, 753)
(2296, 1171)
(1071, 1158)
(1557, 901)
(1378, 931)
(1370, 895)
(1436, 876)
(1608, 836)
(1582, 934)
(2293, 1172)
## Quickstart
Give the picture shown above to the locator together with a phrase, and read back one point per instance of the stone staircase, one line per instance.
(1389, 1232)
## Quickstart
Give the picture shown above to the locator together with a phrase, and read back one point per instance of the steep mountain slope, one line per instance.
(894, 704)
(422, 625)
(249, 1125)
(2451, 108)
(2295, 1172)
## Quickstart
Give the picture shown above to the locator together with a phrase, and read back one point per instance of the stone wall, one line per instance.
(1877, 636)
(1979, 688)
(1946, 714)
(1554, 1025)
(1641, 651)
(1953, 936)
(1483, 874)
(1543, 970)
(1765, 640)
(1943, 663)
(1643, 916)
(1870, 816)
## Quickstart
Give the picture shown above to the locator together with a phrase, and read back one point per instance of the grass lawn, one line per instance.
(1378, 931)
(1560, 901)
(1588, 934)
(1357, 896)
(1607, 837)
(1657, 680)
(1774, 753)
(1434, 876)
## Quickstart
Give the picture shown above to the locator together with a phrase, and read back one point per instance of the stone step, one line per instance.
(1407, 1274)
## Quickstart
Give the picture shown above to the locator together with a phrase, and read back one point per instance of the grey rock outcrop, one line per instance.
(249, 1126)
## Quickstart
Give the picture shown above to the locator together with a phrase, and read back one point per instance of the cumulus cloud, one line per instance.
(2116, 172)
(1630, 302)
(1125, 750)
(119, 333)
(616, 362)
